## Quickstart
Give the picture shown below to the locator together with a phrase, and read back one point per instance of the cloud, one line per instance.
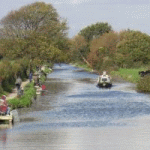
(78, 1)
(72, 2)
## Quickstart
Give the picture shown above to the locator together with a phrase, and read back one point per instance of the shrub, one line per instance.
(134, 46)
(6, 86)
(143, 84)
(9, 70)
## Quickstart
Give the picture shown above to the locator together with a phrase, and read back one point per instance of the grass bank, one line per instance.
(26, 99)
(130, 75)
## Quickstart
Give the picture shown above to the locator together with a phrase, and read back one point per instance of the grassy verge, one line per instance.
(130, 75)
(26, 99)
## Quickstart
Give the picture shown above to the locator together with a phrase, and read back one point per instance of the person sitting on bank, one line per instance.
(5, 104)
(4, 109)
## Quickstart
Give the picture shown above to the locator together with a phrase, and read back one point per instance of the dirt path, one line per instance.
(14, 91)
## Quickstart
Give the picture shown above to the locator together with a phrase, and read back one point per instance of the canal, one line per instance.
(74, 114)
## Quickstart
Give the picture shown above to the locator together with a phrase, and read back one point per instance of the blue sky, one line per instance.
(120, 14)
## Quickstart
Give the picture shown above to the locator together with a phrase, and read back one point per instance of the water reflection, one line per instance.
(3, 137)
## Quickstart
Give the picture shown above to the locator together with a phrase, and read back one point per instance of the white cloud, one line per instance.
(76, 2)
(72, 2)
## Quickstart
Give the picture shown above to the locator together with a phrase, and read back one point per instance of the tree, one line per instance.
(133, 49)
(79, 49)
(38, 16)
(95, 30)
(35, 31)
(103, 50)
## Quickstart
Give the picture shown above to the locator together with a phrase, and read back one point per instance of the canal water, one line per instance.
(74, 114)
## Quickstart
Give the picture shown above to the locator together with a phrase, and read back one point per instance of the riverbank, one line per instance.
(125, 75)
(29, 92)
(131, 75)
(14, 91)
(26, 99)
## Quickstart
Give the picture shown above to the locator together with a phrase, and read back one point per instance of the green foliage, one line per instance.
(42, 78)
(79, 48)
(133, 49)
(143, 84)
(131, 75)
(1, 89)
(9, 71)
(37, 16)
(26, 99)
(5, 69)
(95, 30)
(34, 31)
(6, 86)
(47, 70)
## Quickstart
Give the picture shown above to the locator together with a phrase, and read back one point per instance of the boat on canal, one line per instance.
(104, 80)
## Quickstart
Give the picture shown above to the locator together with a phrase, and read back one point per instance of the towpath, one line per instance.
(14, 91)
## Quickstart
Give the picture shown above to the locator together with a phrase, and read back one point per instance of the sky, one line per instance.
(120, 14)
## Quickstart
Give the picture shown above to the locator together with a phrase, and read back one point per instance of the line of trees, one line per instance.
(102, 48)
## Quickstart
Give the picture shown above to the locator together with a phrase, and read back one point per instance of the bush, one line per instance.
(8, 72)
(6, 86)
(134, 48)
(144, 84)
